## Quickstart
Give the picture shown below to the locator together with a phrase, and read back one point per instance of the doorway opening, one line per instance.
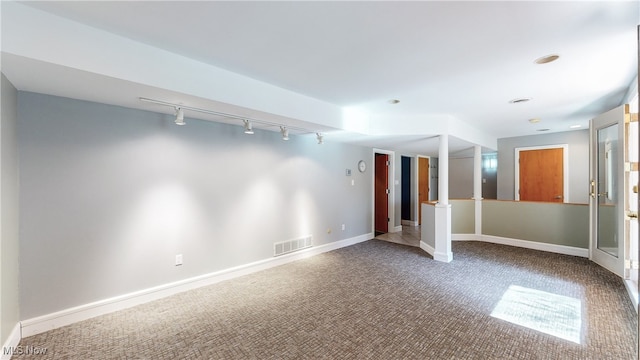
(424, 166)
(405, 190)
(381, 193)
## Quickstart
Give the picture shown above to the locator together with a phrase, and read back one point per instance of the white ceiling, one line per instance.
(465, 60)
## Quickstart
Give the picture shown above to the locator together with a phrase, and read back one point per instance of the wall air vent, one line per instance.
(289, 246)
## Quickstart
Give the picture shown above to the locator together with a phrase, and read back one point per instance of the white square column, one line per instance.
(443, 233)
(477, 188)
(443, 208)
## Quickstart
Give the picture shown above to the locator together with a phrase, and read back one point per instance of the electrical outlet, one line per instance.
(343, 227)
(178, 259)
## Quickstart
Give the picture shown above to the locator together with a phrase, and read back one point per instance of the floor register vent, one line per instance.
(289, 246)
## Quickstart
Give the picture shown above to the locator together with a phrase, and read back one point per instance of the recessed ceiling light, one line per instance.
(575, 126)
(534, 120)
(547, 59)
(543, 129)
(519, 100)
(394, 101)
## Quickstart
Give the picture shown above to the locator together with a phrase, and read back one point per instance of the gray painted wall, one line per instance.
(490, 177)
(578, 142)
(550, 223)
(396, 185)
(461, 179)
(463, 216)
(9, 241)
(433, 178)
(110, 195)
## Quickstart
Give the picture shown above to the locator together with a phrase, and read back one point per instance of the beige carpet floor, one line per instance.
(376, 300)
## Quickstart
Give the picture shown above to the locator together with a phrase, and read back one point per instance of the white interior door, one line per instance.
(607, 200)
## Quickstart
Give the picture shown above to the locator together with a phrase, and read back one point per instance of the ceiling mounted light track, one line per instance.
(247, 122)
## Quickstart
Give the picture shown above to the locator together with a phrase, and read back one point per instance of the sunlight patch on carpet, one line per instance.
(549, 313)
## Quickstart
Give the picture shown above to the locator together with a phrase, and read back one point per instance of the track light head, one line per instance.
(179, 116)
(285, 133)
(320, 138)
(248, 128)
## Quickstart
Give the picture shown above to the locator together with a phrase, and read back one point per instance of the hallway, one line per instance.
(410, 235)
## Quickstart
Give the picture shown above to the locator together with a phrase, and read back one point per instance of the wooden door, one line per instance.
(423, 184)
(542, 175)
(381, 193)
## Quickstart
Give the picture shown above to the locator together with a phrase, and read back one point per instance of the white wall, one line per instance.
(110, 195)
(9, 244)
(578, 142)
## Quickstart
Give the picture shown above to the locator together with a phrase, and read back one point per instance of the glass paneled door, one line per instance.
(607, 200)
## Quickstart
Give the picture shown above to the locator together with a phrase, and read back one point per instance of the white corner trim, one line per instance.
(12, 343)
(534, 245)
(69, 316)
(443, 256)
(426, 247)
(396, 229)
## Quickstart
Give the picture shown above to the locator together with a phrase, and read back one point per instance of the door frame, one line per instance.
(392, 190)
(417, 186)
(565, 168)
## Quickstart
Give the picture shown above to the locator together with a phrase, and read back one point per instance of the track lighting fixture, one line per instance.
(285, 133)
(247, 122)
(179, 116)
(248, 128)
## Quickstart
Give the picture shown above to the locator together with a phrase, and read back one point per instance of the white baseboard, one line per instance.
(464, 237)
(396, 229)
(12, 343)
(443, 256)
(65, 317)
(426, 247)
(534, 245)
(409, 222)
(632, 290)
